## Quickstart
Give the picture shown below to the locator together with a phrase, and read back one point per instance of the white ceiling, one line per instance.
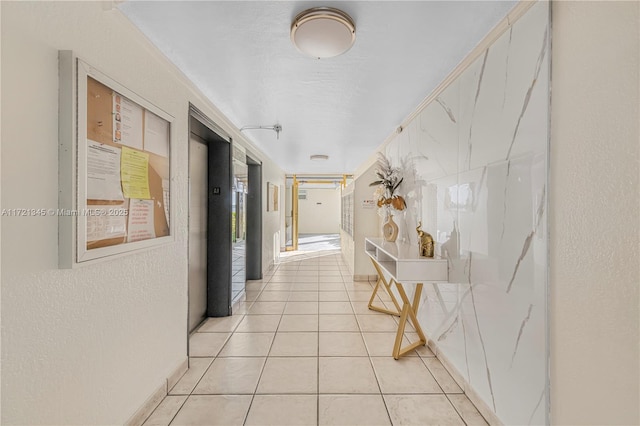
(240, 55)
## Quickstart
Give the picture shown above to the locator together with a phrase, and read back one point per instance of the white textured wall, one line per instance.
(320, 212)
(595, 198)
(366, 222)
(273, 235)
(85, 346)
(347, 243)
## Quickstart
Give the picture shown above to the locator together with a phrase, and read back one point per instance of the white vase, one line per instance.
(390, 229)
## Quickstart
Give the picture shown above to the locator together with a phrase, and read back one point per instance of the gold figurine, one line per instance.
(425, 242)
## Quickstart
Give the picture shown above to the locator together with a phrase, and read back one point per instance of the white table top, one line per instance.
(400, 251)
(403, 261)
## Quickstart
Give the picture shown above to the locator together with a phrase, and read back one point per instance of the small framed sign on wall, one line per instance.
(272, 197)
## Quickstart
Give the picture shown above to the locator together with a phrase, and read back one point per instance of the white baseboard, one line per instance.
(143, 413)
(149, 405)
(177, 374)
(473, 396)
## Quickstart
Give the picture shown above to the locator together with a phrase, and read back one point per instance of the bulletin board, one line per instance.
(124, 169)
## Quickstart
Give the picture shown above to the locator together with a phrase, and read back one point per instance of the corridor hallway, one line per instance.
(302, 348)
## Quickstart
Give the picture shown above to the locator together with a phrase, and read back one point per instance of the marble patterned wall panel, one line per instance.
(438, 134)
(504, 95)
(468, 93)
(472, 208)
(475, 164)
(483, 132)
(497, 243)
(443, 215)
(527, 91)
(425, 151)
(404, 153)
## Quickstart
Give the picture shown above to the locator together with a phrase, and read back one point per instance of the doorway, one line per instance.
(225, 220)
(246, 220)
(297, 193)
(239, 222)
(210, 206)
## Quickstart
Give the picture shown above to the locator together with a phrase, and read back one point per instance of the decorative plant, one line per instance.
(389, 180)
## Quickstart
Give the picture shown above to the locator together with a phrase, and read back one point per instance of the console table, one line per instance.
(404, 265)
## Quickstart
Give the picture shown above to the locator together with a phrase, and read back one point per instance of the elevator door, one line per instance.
(198, 177)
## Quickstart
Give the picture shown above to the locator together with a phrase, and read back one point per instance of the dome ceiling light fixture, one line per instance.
(319, 157)
(323, 32)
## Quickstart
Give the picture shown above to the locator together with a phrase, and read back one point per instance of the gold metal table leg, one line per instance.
(409, 311)
(387, 287)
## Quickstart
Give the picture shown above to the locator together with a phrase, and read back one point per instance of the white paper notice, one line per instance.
(103, 172)
(156, 134)
(105, 222)
(141, 225)
(127, 122)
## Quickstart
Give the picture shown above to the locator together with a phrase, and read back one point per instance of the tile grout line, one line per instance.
(375, 374)
(352, 303)
(176, 414)
(457, 411)
(318, 358)
(206, 370)
(264, 365)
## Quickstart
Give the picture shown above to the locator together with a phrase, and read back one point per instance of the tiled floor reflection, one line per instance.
(303, 349)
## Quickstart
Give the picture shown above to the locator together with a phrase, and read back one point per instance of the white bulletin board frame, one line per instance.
(73, 174)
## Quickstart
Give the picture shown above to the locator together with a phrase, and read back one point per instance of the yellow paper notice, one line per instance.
(134, 173)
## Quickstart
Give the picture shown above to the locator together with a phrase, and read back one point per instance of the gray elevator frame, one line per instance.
(254, 221)
(219, 206)
(219, 192)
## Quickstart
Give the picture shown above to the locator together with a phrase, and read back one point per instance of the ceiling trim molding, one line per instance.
(205, 120)
(501, 27)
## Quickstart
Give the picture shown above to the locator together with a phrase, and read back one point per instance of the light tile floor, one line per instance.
(303, 349)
